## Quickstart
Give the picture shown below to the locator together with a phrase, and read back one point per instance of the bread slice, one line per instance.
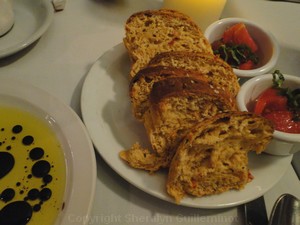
(213, 159)
(212, 66)
(153, 31)
(176, 104)
(141, 85)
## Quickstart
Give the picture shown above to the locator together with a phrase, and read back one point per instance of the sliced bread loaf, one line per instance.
(176, 104)
(213, 67)
(153, 31)
(212, 158)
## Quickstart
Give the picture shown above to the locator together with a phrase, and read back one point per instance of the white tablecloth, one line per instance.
(59, 61)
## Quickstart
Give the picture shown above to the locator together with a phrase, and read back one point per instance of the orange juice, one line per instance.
(203, 12)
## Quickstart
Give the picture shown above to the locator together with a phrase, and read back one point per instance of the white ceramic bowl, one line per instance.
(6, 16)
(268, 47)
(282, 143)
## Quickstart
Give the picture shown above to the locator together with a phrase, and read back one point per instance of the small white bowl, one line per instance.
(268, 52)
(6, 16)
(282, 143)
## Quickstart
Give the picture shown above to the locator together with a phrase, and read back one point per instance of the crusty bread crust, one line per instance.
(216, 70)
(178, 86)
(153, 31)
(212, 158)
(141, 85)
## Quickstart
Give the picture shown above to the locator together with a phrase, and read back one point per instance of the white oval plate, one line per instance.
(78, 149)
(32, 19)
(106, 111)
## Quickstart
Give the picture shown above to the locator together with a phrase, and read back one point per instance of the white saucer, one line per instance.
(108, 117)
(32, 18)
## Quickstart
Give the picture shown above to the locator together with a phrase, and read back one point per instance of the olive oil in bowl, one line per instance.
(32, 169)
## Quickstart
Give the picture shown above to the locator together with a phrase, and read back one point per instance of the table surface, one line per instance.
(60, 60)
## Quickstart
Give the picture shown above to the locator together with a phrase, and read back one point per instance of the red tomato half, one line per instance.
(238, 34)
(269, 101)
(273, 106)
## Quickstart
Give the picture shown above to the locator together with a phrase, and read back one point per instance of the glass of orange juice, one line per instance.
(203, 12)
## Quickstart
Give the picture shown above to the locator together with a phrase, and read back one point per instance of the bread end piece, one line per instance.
(142, 158)
(150, 32)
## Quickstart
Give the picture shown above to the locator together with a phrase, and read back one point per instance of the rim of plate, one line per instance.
(48, 17)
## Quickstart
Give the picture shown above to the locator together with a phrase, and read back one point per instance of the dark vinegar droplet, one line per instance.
(27, 140)
(7, 162)
(9, 216)
(7, 195)
(36, 153)
(37, 207)
(33, 194)
(47, 179)
(45, 194)
(40, 168)
(17, 129)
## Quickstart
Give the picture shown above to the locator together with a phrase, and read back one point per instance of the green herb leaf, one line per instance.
(293, 96)
(235, 55)
(278, 79)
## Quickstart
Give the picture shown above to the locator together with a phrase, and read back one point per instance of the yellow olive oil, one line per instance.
(32, 169)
